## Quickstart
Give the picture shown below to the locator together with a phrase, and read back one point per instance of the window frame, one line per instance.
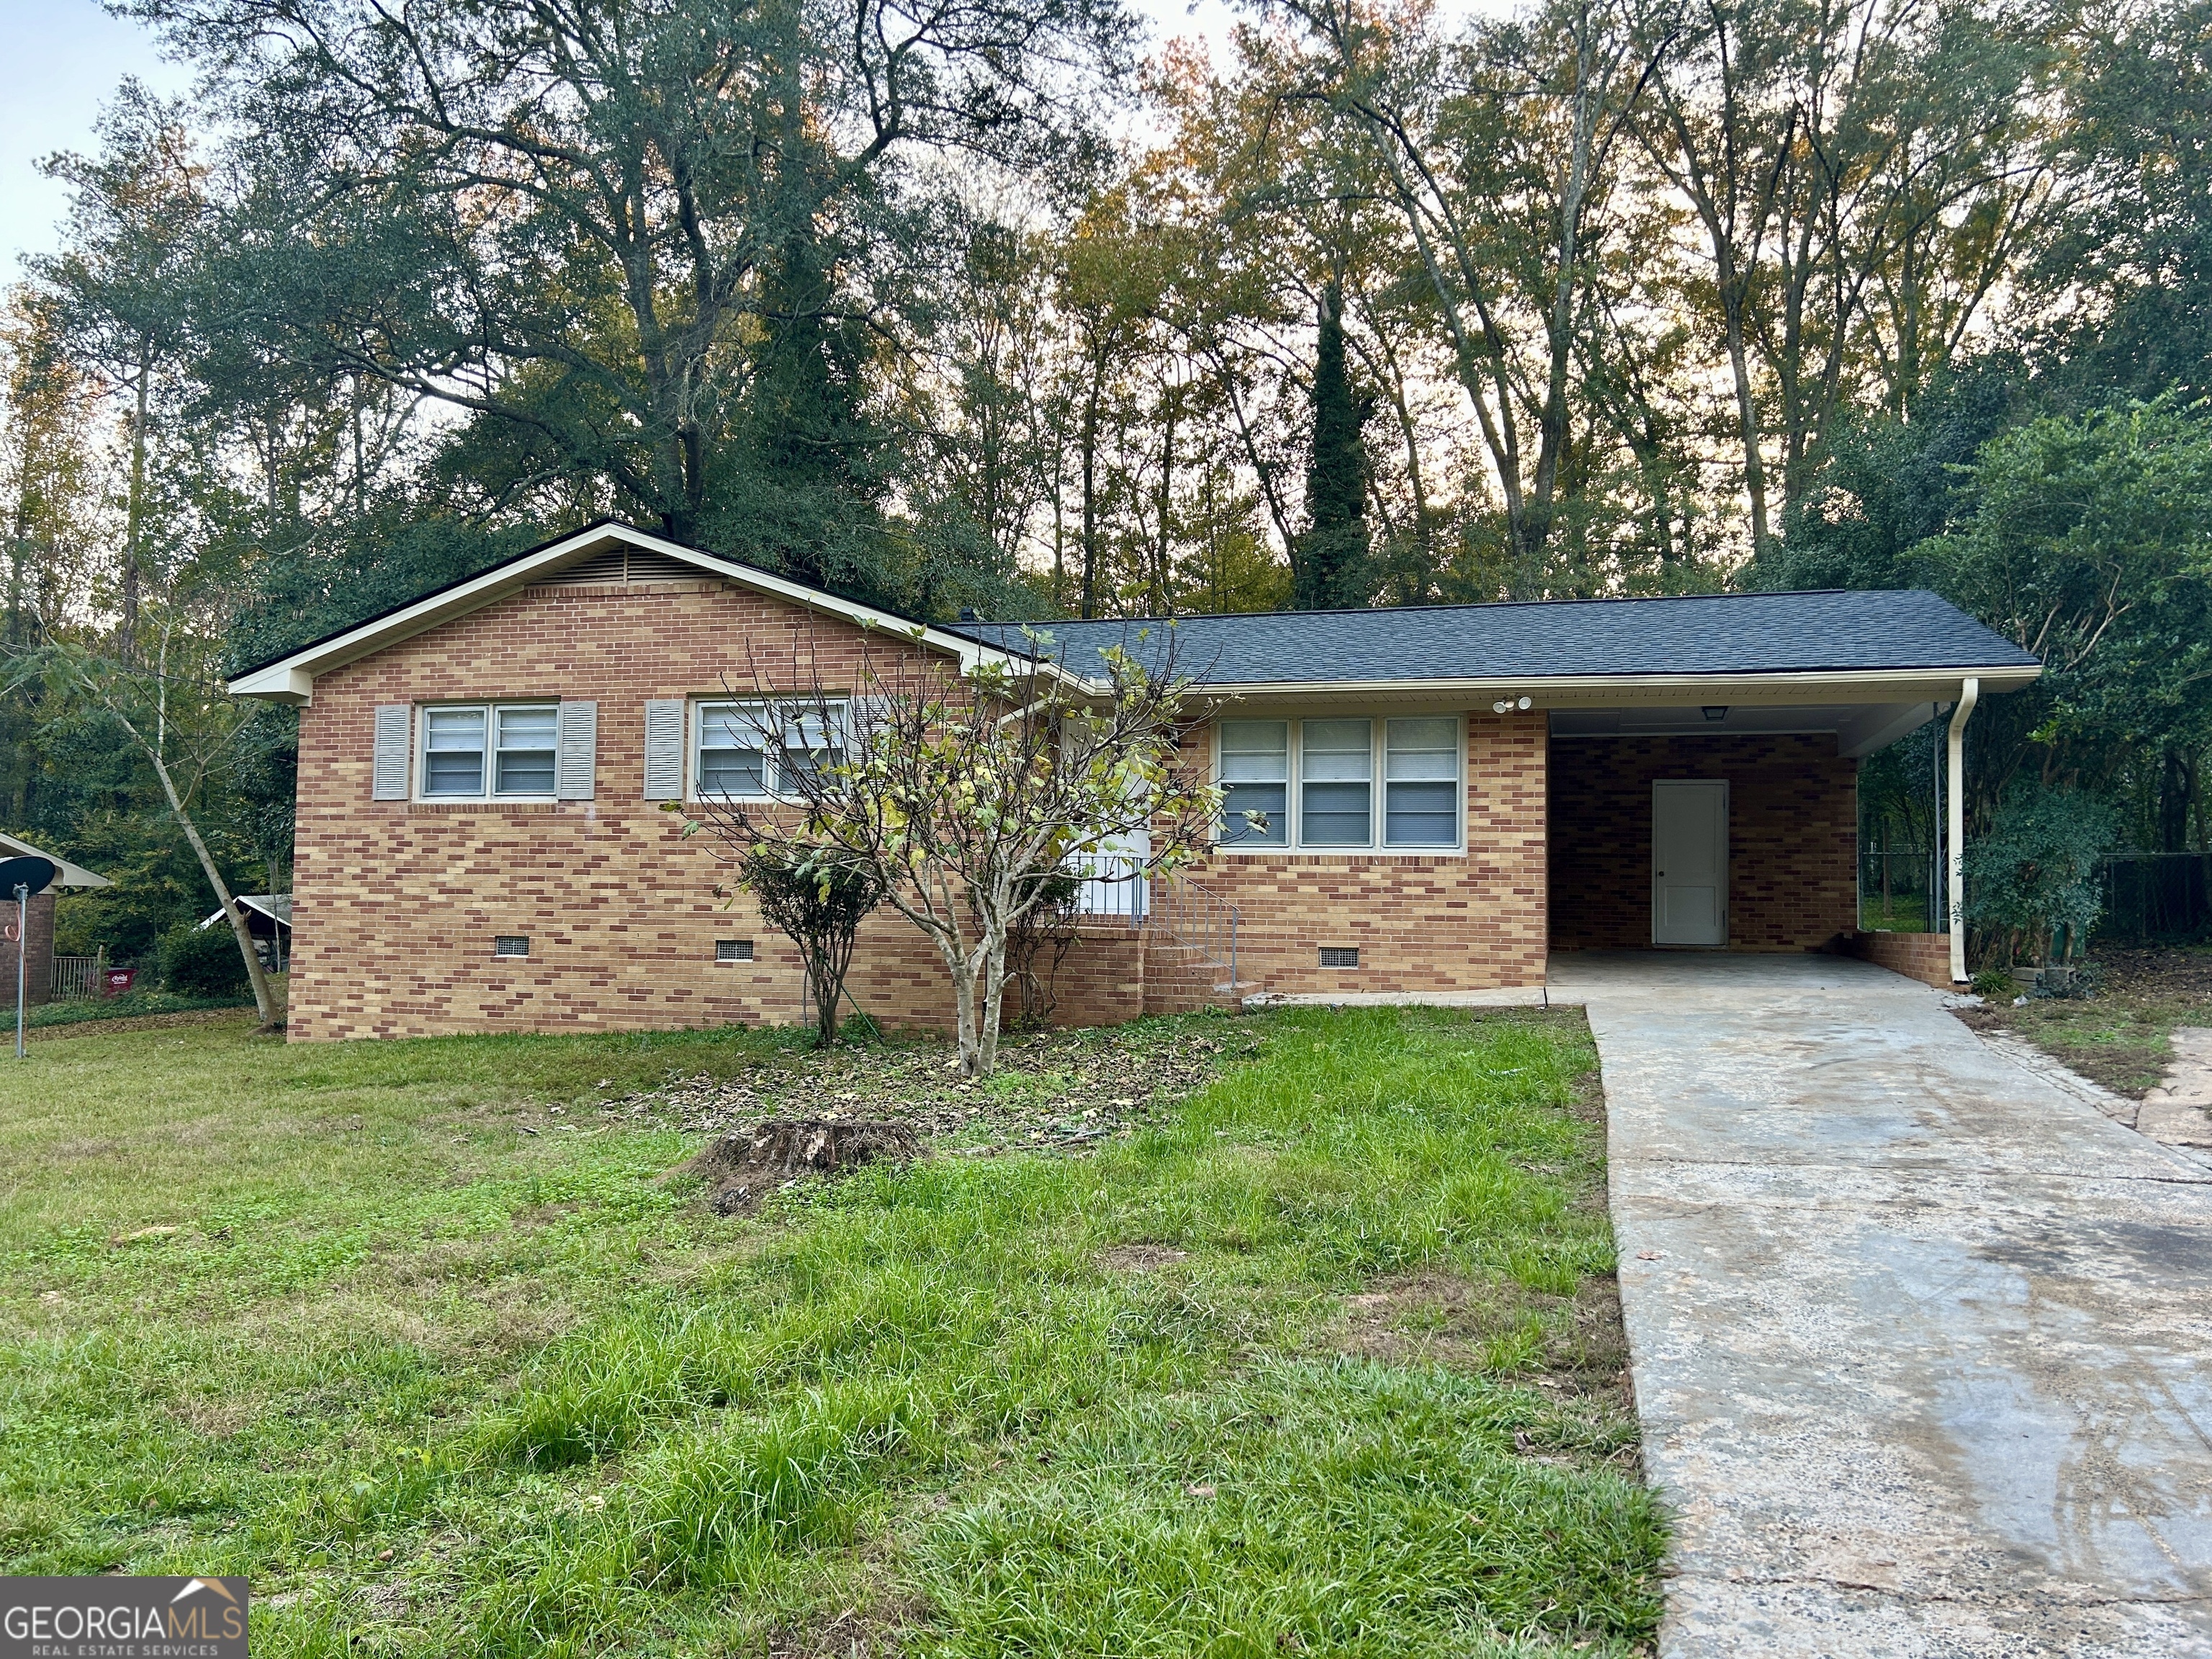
(771, 758)
(1377, 845)
(487, 791)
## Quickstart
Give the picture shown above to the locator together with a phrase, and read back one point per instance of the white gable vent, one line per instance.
(624, 563)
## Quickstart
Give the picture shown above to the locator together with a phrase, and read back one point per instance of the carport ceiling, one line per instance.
(1860, 728)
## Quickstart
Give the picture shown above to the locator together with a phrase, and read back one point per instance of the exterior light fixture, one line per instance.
(1507, 705)
(1716, 713)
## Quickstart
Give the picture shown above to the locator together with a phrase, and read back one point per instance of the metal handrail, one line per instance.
(1198, 920)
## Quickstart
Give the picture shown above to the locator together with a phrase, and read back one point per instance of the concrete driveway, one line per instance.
(1923, 1347)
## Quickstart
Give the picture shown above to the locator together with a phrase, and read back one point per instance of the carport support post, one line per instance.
(1970, 691)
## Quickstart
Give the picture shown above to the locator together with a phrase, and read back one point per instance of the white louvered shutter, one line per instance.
(577, 747)
(395, 741)
(664, 748)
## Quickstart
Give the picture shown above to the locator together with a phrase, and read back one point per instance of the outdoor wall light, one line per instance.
(1507, 705)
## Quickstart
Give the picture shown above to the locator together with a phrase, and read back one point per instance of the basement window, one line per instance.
(733, 949)
(1339, 955)
(511, 945)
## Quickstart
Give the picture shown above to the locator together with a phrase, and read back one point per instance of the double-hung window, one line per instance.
(500, 750)
(1420, 783)
(1340, 783)
(1336, 785)
(756, 750)
(1256, 777)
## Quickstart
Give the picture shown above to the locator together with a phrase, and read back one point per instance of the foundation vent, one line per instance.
(1339, 955)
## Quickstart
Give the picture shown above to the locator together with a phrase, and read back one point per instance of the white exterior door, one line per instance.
(1689, 861)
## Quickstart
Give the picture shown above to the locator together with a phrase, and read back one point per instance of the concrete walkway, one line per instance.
(1923, 1347)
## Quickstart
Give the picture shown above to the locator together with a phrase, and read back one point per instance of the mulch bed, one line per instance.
(1055, 1091)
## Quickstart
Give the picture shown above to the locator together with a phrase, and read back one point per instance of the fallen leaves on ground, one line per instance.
(1054, 1090)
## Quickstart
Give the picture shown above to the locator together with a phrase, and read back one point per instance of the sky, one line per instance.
(64, 59)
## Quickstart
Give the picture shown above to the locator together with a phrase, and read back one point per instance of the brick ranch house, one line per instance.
(1453, 792)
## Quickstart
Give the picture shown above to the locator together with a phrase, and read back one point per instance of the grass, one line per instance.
(1905, 912)
(1319, 1364)
(131, 1005)
(2121, 1036)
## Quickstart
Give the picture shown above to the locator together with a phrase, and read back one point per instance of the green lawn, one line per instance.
(1323, 1361)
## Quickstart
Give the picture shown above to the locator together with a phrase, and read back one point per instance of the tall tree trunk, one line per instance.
(134, 513)
(1089, 440)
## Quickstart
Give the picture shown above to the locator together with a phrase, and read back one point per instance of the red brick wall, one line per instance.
(1793, 837)
(396, 904)
(1924, 957)
(1457, 922)
(39, 966)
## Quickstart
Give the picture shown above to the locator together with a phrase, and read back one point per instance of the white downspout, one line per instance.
(1970, 691)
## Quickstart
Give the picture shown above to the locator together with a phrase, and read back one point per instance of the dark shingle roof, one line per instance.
(1696, 634)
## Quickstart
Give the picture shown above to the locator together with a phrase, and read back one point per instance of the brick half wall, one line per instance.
(1793, 837)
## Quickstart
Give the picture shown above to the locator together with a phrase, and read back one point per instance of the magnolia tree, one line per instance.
(956, 790)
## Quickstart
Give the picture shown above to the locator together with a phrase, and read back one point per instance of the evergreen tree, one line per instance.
(1329, 560)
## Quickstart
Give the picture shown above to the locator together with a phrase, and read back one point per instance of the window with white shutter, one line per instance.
(577, 744)
(395, 737)
(664, 748)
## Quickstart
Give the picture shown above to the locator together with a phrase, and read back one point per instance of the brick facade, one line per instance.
(1924, 957)
(37, 968)
(396, 903)
(1469, 921)
(1793, 837)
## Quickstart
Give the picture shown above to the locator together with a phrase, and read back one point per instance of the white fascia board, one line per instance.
(292, 678)
(1603, 690)
(65, 873)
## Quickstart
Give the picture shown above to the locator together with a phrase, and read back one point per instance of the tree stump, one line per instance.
(741, 1169)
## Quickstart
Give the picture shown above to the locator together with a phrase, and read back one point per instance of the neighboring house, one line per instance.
(269, 920)
(37, 968)
(1452, 793)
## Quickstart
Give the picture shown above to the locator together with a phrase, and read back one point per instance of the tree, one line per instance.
(121, 289)
(1498, 152)
(958, 791)
(2089, 543)
(175, 714)
(817, 901)
(577, 223)
(1329, 560)
(2034, 878)
(1833, 156)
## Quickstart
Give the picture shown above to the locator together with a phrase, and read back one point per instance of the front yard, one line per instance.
(2122, 1036)
(1283, 1333)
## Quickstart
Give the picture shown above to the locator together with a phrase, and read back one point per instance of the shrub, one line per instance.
(202, 962)
(1996, 984)
(2032, 880)
(818, 900)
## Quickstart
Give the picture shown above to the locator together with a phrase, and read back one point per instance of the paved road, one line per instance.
(1923, 1347)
